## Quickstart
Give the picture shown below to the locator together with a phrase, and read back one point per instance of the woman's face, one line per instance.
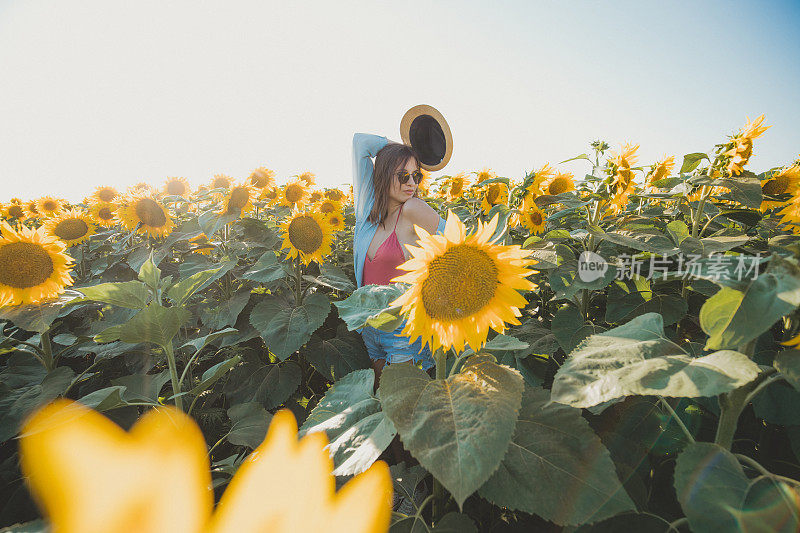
(400, 192)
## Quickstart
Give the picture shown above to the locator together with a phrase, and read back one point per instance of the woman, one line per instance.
(387, 209)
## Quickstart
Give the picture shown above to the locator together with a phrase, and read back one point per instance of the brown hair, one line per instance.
(387, 161)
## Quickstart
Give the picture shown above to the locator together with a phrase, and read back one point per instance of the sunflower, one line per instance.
(620, 199)
(49, 206)
(661, 169)
(462, 285)
(33, 266)
(293, 194)
(315, 196)
(485, 174)
(545, 173)
(104, 194)
(742, 145)
(14, 210)
(145, 209)
(785, 182)
(221, 181)
(495, 193)
(70, 227)
(262, 177)
(141, 187)
(560, 182)
(31, 209)
(307, 235)
(103, 213)
(335, 194)
(454, 186)
(239, 200)
(327, 207)
(308, 178)
(270, 195)
(200, 245)
(531, 216)
(336, 221)
(177, 187)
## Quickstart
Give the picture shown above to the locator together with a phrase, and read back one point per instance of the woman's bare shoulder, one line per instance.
(421, 214)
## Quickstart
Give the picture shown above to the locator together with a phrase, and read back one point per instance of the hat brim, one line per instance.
(425, 129)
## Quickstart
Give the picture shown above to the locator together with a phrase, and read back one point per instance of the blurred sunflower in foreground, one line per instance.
(71, 227)
(146, 210)
(307, 235)
(33, 266)
(91, 476)
(462, 285)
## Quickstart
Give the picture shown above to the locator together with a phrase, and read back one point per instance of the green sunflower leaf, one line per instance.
(556, 467)
(458, 428)
(286, 327)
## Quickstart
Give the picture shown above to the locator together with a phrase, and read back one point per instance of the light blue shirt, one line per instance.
(365, 147)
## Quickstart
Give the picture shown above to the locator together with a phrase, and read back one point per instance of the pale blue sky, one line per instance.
(110, 92)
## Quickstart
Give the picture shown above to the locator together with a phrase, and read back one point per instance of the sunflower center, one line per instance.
(106, 195)
(71, 228)
(305, 234)
(176, 188)
(558, 185)
(49, 205)
(535, 218)
(334, 220)
(327, 207)
(104, 213)
(150, 213)
(775, 186)
(16, 211)
(24, 265)
(294, 193)
(460, 283)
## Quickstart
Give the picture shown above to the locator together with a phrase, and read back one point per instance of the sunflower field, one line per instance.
(615, 351)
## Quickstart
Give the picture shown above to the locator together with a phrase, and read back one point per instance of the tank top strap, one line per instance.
(398, 218)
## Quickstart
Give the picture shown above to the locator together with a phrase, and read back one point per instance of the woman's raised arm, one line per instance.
(365, 146)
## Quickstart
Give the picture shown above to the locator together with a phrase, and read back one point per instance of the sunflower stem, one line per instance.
(298, 274)
(47, 350)
(173, 374)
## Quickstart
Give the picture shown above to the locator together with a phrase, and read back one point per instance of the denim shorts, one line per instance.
(395, 348)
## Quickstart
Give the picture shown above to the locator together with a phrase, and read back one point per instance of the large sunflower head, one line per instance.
(462, 285)
(239, 200)
(147, 210)
(308, 235)
(33, 266)
(177, 187)
(494, 194)
(262, 177)
(560, 182)
(70, 227)
(308, 178)
(15, 211)
(293, 194)
(49, 206)
(104, 194)
(103, 213)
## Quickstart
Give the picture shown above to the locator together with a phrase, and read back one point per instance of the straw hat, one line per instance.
(425, 129)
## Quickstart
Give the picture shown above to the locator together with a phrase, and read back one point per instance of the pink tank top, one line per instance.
(383, 267)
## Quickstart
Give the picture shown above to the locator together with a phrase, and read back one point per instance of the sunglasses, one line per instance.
(403, 176)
